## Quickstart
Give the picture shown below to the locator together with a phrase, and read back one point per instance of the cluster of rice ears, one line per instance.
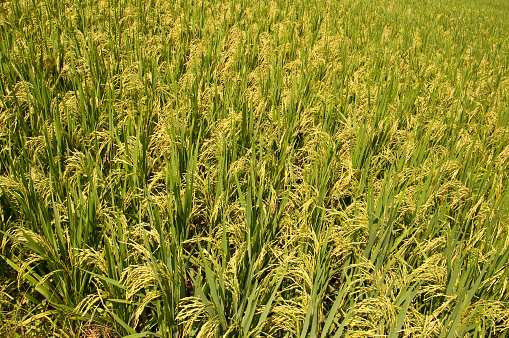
(254, 168)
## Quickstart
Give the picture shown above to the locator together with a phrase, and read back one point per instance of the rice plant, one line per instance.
(247, 168)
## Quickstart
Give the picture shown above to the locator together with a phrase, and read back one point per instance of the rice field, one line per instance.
(242, 168)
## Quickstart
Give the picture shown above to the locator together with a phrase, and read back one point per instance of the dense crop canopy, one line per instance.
(250, 168)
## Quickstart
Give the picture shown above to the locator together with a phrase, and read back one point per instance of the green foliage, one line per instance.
(254, 169)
